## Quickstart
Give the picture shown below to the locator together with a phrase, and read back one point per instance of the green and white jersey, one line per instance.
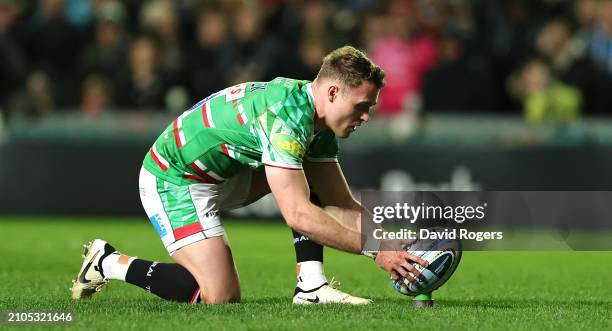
(246, 125)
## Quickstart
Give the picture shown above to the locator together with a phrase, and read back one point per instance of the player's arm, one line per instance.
(290, 189)
(328, 182)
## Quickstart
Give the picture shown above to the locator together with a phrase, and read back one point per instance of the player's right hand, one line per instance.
(396, 261)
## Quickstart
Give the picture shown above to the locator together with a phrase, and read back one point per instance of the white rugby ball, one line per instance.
(443, 256)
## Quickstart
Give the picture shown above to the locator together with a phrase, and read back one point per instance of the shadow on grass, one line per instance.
(274, 303)
(506, 303)
(268, 300)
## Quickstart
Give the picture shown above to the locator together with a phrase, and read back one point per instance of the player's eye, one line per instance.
(363, 107)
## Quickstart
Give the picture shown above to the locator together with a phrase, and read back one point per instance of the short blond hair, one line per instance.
(352, 67)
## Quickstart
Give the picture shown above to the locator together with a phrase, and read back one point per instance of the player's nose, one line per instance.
(365, 117)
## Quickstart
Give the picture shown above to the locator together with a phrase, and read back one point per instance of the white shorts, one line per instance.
(182, 215)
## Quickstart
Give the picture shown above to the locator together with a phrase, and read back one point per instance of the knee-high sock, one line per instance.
(306, 249)
(169, 281)
(309, 258)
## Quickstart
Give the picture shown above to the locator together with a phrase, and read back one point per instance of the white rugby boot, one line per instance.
(90, 278)
(327, 293)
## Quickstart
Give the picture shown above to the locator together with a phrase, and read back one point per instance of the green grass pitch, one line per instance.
(490, 290)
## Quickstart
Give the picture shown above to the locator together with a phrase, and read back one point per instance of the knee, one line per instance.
(220, 297)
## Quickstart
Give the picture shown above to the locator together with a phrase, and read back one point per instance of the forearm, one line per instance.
(327, 230)
(349, 217)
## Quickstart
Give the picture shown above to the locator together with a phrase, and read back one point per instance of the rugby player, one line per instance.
(231, 149)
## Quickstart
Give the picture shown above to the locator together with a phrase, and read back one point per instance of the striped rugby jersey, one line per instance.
(246, 125)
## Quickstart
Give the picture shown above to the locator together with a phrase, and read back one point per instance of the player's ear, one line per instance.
(332, 92)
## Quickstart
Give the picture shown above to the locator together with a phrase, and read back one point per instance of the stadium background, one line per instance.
(494, 95)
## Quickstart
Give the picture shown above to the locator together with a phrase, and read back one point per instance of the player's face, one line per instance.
(351, 108)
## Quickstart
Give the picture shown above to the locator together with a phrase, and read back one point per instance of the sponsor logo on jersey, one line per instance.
(256, 87)
(288, 145)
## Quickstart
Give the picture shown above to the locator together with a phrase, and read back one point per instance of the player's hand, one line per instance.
(395, 260)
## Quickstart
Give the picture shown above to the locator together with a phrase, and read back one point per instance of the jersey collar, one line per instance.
(310, 94)
(314, 110)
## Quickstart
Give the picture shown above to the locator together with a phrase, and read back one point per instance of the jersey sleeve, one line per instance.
(285, 129)
(283, 143)
(284, 149)
(324, 148)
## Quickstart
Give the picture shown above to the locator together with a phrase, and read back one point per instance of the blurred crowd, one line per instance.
(549, 59)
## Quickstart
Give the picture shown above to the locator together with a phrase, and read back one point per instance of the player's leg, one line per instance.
(184, 224)
(102, 262)
(196, 277)
(309, 259)
(210, 262)
(312, 285)
(187, 220)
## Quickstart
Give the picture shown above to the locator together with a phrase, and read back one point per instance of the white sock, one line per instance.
(115, 266)
(310, 275)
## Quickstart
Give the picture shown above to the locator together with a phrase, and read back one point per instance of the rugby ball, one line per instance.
(443, 256)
